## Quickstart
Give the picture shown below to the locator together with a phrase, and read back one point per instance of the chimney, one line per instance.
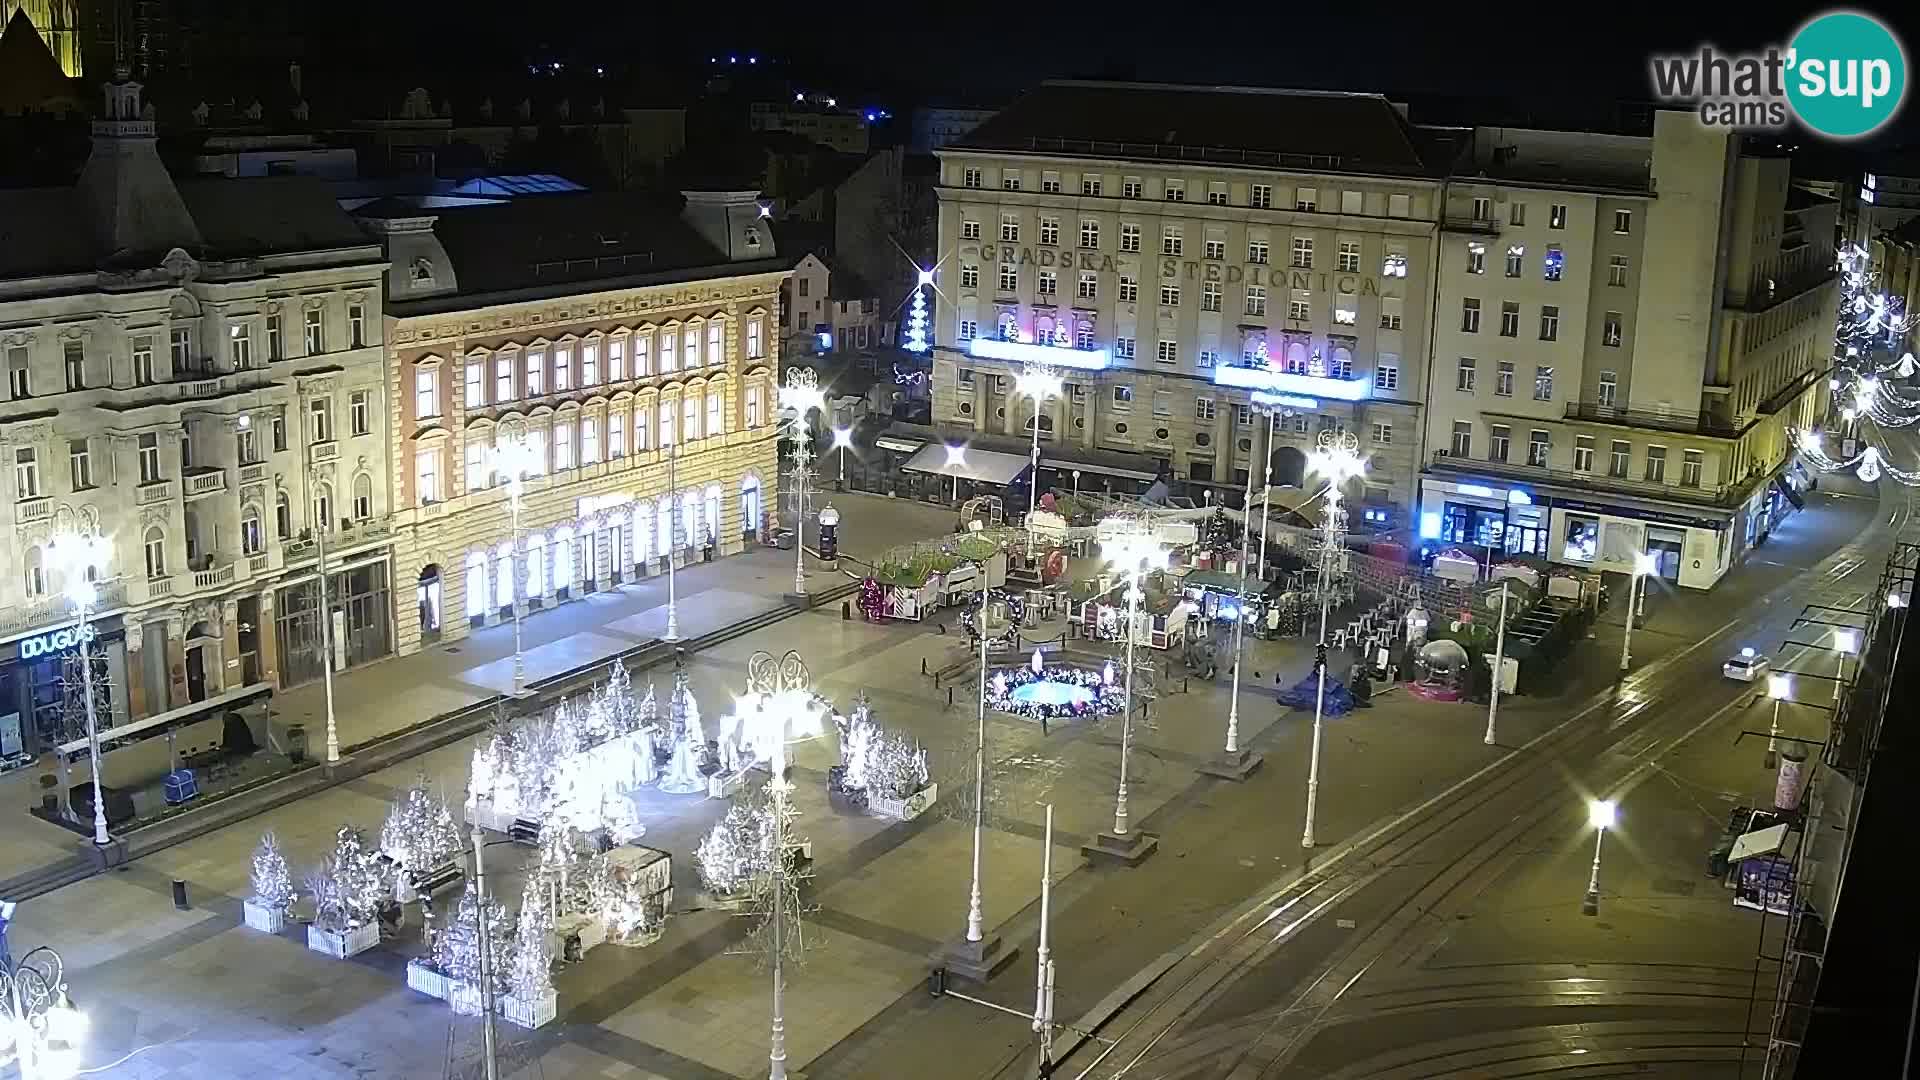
(735, 222)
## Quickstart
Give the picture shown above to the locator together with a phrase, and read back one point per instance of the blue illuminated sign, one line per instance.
(1290, 401)
(1022, 352)
(1289, 383)
(55, 641)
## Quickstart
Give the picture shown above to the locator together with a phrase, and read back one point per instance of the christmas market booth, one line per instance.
(1098, 608)
(914, 581)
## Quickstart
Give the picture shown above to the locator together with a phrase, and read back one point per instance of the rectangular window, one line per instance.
(1090, 235)
(276, 338)
(239, 347)
(716, 414)
(1089, 288)
(1009, 278)
(1352, 202)
(969, 329)
(617, 356)
(692, 339)
(426, 393)
(1303, 252)
(1549, 323)
(143, 369)
(1394, 262)
(1214, 249)
(26, 474)
(1260, 196)
(1305, 199)
(357, 324)
(1399, 204)
(1390, 309)
(245, 448)
(80, 463)
(1050, 183)
(1123, 397)
(426, 474)
(1203, 408)
(19, 374)
(1169, 296)
(1009, 228)
(1656, 464)
(1610, 330)
(1557, 216)
(1617, 270)
(148, 453)
(1516, 259)
(360, 412)
(1692, 463)
(1256, 300)
(1346, 308)
(1216, 194)
(1050, 231)
(1257, 252)
(1517, 213)
(1607, 386)
(1462, 439)
(536, 380)
(1162, 403)
(1476, 257)
(589, 440)
(1509, 319)
(590, 363)
(1482, 209)
(1129, 289)
(1171, 242)
(642, 355)
(616, 436)
(1554, 264)
(690, 417)
(477, 475)
(1010, 180)
(1539, 447)
(642, 429)
(1299, 306)
(1123, 348)
(1243, 415)
(1083, 337)
(1542, 382)
(502, 379)
(562, 445)
(969, 230)
(1623, 221)
(316, 331)
(1383, 433)
(1470, 315)
(320, 420)
(1090, 185)
(1175, 191)
(970, 178)
(1349, 257)
(756, 335)
(1168, 352)
(1131, 187)
(1129, 237)
(475, 389)
(1499, 442)
(1466, 376)
(1210, 296)
(1583, 453)
(1049, 283)
(279, 423)
(1386, 373)
(1619, 458)
(669, 351)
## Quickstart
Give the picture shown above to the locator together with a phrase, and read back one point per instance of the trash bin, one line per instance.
(297, 743)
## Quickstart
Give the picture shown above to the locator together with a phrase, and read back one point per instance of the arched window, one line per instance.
(363, 497)
(323, 506)
(711, 512)
(252, 539)
(476, 584)
(503, 576)
(643, 540)
(749, 505)
(282, 515)
(156, 552)
(1296, 358)
(562, 557)
(536, 559)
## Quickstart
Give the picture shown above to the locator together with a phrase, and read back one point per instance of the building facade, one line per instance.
(1626, 331)
(642, 379)
(194, 370)
(1277, 253)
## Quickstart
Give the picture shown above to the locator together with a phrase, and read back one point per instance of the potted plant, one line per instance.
(266, 908)
(347, 891)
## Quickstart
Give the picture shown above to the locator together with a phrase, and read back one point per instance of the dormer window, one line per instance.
(422, 271)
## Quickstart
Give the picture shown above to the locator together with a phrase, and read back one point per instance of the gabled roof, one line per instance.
(1336, 132)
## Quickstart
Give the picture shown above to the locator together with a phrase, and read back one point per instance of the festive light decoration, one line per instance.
(420, 834)
(530, 963)
(873, 600)
(1054, 692)
(880, 761)
(916, 341)
(348, 888)
(737, 852)
(455, 948)
(272, 884)
(685, 773)
(569, 763)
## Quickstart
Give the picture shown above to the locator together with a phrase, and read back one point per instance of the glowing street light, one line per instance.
(956, 460)
(1846, 642)
(40, 1020)
(1601, 814)
(1779, 688)
(1135, 553)
(1036, 381)
(1643, 565)
(843, 441)
(1337, 459)
(515, 457)
(800, 396)
(79, 554)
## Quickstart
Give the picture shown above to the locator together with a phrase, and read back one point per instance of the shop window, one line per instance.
(1582, 540)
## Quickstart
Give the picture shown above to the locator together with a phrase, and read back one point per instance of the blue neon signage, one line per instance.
(1022, 352)
(55, 641)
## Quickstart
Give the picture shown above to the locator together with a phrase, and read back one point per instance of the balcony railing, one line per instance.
(254, 473)
(258, 564)
(209, 482)
(1465, 223)
(157, 491)
(1684, 423)
(213, 578)
(323, 451)
(1720, 495)
(28, 511)
(159, 587)
(52, 610)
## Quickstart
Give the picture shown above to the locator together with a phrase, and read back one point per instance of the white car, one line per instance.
(1746, 667)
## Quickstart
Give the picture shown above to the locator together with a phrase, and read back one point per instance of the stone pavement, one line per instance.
(214, 1000)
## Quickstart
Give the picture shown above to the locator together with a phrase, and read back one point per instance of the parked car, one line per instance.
(1746, 667)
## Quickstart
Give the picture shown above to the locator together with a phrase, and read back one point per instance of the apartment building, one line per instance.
(633, 348)
(1626, 330)
(193, 370)
(1187, 257)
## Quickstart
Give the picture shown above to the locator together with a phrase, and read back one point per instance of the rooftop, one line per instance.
(1360, 133)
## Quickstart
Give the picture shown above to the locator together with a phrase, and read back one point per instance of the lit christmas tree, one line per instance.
(348, 889)
(1220, 537)
(916, 341)
(420, 833)
(456, 948)
(684, 775)
(272, 884)
(530, 965)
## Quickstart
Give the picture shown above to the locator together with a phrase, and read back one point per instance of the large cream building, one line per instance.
(1177, 251)
(1626, 330)
(606, 332)
(194, 369)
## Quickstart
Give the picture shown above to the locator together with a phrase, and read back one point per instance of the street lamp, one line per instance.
(1601, 814)
(1235, 764)
(956, 460)
(321, 526)
(515, 458)
(1036, 381)
(1643, 565)
(801, 395)
(673, 538)
(42, 1028)
(1336, 458)
(1135, 553)
(1779, 688)
(1846, 642)
(80, 554)
(843, 441)
(1499, 666)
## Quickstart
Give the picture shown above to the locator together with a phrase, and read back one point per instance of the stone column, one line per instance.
(176, 659)
(230, 676)
(269, 637)
(136, 688)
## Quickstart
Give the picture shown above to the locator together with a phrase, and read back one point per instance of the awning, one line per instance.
(186, 714)
(1050, 462)
(1759, 842)
(904, 446)
(981, 466)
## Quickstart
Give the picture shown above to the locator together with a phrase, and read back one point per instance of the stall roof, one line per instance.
(981, 466)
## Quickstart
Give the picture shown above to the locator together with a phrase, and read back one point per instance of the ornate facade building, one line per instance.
(193, 369)
(631, 349)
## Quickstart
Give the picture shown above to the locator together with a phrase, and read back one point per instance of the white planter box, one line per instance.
(340, 946)
(591, 931)
(723, 785)
(904, 809)
(531, 1012)
(426, 980)
(259, 916)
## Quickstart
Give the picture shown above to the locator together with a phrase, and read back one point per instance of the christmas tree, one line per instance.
(685, 774)
(349, 888)
(457, 942)
(1220, 537)
(272, 884)
(917, 320)
(530, 964)
(420, 833)
(736, 852)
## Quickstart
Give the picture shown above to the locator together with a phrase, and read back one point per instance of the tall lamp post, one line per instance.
(1643, 564)
(1038, 382)
(1499, 666)
(1234, 763)
(975, 955)
(79, 554)
(801, 395)
(1337, 458)
(515, 458)
(673, 540)
(42, 1024)
(843, 441)
(1779, 688)
(1601, 814)
(321, 525)
(1135, 552)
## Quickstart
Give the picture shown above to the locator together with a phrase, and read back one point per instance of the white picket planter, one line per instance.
(533, 1012)
(426, 980)
(723, 785)
(340, 946)
(591, 931)
(904, 809)
(260, 917)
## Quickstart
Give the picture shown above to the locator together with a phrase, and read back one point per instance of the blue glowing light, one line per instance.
(1025, 352)
(1288, 383)
(1430, 526)
(1519, 498)
(1049, 692)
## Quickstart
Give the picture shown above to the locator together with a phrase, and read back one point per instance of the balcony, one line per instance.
(156, 491)
(213, 577)
(53, 610)
(323, 451)
(258, 564)
(203, 482)
(28, 511)
(1464, 223)
(159, 587)
(1713, 427)
(253, 473)
(1719, 496)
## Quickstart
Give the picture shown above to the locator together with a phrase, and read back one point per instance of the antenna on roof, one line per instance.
(119, 43)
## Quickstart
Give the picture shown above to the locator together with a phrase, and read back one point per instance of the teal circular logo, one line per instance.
(1846, 74)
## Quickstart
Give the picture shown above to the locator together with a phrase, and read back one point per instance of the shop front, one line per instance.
(41, 700)
(359, 599)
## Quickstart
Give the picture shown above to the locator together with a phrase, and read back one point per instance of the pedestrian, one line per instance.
(1043, 723)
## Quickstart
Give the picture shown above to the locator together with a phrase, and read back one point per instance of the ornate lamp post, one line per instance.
(800, 396)
(975, 955)
(1235, 763)
(673, 541)
(515, 458)
(322, 524)
(42, 1023)
(1036, 381)
(1643, 564)
(1337, 458)
(1136, 552)
(79, 554)
(1601, 813)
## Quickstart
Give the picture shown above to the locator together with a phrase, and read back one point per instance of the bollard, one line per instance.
(949, 697)
(923, 665)
(846, 611)
(179, 894)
